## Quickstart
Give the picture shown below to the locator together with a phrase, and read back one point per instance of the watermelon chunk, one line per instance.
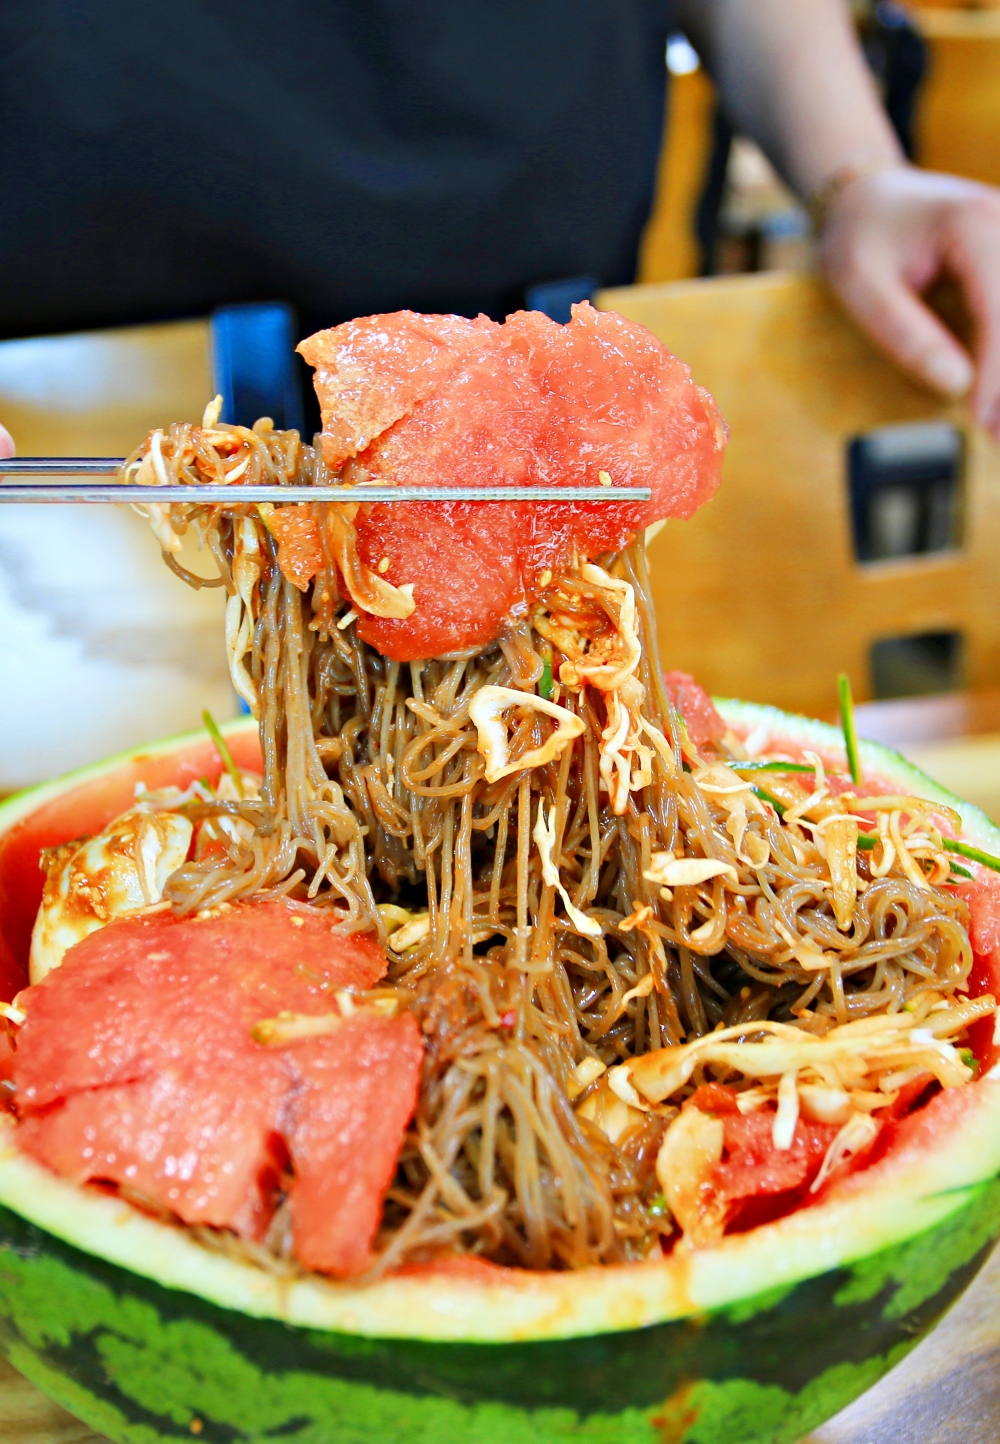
(758, 1181)
(136, 1065)
(346, 1122)
(983, 897)
(696, 707)
(752, 1166)
(202, 1146)
(300, 546)
(525, 402)
(410, 353)
(984, 911)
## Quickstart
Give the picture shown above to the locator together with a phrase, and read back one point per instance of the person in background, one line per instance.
(161, 159)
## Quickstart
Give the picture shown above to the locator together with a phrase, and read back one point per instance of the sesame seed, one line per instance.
(384, 565)
(604, 478)
(544, 578)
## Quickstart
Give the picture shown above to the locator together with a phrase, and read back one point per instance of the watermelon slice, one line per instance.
(751, 1166)
(753, 1171)
(346, 1118)
(440, 400)
(136, 1065)
(145, 1334)
(696, 707)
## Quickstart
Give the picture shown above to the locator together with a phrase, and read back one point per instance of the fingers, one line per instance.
(886, 238)
(875, 293)
(972, 246)
(6, 443)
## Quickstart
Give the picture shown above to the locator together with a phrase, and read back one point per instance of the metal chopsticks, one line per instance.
(126, 494)
(62, 466)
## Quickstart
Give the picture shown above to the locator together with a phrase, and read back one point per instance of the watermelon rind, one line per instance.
(148, 1336)
(29, 799)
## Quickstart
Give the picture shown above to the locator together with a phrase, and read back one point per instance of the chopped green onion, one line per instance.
(658, 1205)
(678, 727)
(965, 849)
(212, 728)
(779, 807)
(545, 681)
(867, 840)
(771, 767)
(847, 724)
(969, 1059)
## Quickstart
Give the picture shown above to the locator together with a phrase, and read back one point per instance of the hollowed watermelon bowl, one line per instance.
(148, 1337)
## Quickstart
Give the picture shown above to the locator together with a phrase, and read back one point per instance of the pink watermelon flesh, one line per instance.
(136, 1066)
(696, 707)
(80, 810)
(89, 1109)
(525, 402)
(411, 355)
(755, 1180)
(203, 1147)
(983, 897)
(346, 1126)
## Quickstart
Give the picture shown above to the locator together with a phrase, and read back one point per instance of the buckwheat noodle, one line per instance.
(374, 793)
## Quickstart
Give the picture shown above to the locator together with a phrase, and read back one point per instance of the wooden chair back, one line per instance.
(958, 111)
(760, 595)
(670, 249)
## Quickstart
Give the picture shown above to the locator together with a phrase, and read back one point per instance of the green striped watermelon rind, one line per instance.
(148, 1336)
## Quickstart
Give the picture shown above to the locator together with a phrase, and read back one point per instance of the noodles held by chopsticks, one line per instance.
(618, 893)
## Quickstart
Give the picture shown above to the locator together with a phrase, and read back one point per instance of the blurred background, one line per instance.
(857, 529)
(722, 209)
(880, 506)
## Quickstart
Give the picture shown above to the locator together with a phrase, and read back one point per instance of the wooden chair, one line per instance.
(103, 648)
(958, 115)
(957, 129)
(759, 595)
(670, 250)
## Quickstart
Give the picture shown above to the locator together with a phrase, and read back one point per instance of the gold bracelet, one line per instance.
(820, 201)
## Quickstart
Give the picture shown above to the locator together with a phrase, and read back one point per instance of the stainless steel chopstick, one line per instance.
(125, 494)
(62, 466)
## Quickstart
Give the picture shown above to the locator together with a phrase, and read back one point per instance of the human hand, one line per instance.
(6, 443)
(885, 238)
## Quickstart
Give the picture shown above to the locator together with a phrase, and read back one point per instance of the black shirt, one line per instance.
(162, 157)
